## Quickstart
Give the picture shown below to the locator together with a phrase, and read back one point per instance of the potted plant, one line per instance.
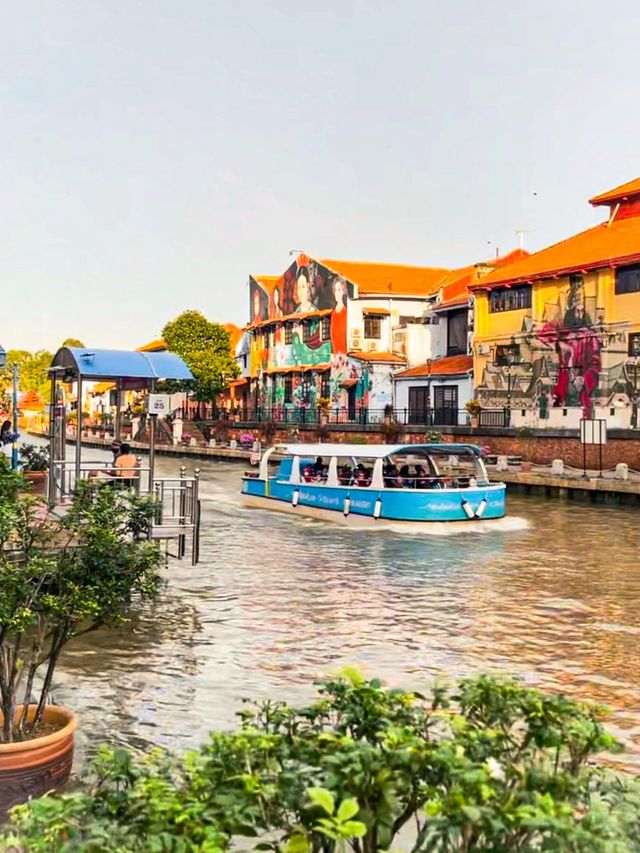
(59, 578)
(35, 464)
(323, 409)
(526, 440)
(474, 408)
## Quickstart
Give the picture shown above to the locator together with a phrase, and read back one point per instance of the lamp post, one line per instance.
(14, 416)
(429, 415)
(508, 412)
(634, 399)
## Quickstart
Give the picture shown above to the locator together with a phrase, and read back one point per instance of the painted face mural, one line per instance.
(558, 361)
(306, 286)
(259, 302)
(320, 341)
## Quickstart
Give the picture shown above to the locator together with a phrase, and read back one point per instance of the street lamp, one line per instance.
(14, 418)
(429, 415)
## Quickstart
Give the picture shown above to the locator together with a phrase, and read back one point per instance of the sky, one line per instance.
(154, 154)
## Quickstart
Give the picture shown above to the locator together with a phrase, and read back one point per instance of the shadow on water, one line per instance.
(278, 601)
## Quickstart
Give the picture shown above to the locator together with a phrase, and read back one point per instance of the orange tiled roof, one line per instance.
(378, 356)
(267, 281)
(455, 287)
(391, 279)
(449, 365)
(621, 193)
(234, 333)
(153, 346)
(596, 247)
(274, 321)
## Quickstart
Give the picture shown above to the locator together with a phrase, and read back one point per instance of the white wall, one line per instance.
(464, 384)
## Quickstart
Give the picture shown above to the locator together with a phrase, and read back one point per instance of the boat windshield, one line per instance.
(427, 468)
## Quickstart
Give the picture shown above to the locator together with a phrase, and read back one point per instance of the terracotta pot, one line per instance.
(475, 421)
(525, 465)
(38, 480)
(33, 767)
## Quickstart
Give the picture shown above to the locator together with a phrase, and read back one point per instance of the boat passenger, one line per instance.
(362, 479)
(318, 466)
(307, 474)
(404, 479)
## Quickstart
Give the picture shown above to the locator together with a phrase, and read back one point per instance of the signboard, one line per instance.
(593, 431)
(159, 404)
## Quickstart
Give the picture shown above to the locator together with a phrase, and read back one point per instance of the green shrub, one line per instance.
(492, 766)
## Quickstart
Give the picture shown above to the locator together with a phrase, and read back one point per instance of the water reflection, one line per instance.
(278, 601)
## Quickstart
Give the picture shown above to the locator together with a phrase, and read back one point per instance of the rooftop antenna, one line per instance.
(520, 232)
(295, 252)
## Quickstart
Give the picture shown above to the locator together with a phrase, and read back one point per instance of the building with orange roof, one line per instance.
(436, 390)
(557, 333)
(338, 331)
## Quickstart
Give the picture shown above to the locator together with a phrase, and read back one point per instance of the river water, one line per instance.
(553, 596)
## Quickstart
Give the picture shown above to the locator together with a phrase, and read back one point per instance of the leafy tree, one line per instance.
(61, 578)
(72, 342)
(32, 372)
(206, 349)
(492, 766)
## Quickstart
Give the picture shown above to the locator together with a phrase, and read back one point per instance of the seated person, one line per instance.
(126, 465)
(344, 476)
(307, 474)
(421, 477)
(318, 466)
(404, 479)
(390, 475)
(362, 479)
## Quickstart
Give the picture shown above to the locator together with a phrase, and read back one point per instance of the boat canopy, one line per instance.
(373, 451)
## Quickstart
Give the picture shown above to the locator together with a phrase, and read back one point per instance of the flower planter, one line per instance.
(38, 480)
(475, 421)
(33, 767)
(525, 465)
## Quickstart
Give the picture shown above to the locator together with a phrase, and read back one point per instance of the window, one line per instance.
(307, 332)
(372, 328)
(288, 389)
(288, 333)
(445, 405)
(325, 385)
(457, 328)
(408, 321)
(634, 345)
(325, 328)
(507, 354)
(510, 298)
(628, 279)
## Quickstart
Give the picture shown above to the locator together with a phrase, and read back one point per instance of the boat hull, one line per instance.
(350, 505)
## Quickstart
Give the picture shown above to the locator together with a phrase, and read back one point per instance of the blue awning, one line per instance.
(104, 364)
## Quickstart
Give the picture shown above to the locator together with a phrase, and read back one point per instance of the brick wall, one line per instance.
(542, 449)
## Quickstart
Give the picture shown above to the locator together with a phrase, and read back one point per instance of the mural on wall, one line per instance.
(568, 359)
(305, 288)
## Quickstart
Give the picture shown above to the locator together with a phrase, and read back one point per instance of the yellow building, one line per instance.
(557, 334)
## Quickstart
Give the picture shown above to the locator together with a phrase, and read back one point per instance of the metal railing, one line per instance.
(177, 502)
(290, 415)
(177, 514)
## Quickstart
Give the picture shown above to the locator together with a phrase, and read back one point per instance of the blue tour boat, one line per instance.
(356, 483)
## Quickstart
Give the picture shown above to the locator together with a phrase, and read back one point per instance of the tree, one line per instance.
(32, 372)
(206, 349)
(72, 342)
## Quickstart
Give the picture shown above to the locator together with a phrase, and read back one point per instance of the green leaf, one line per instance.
(297, 843)
(348, 809)
(353, 829)
(323, 798)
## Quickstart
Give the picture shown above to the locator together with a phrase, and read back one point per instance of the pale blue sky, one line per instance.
(153, 154)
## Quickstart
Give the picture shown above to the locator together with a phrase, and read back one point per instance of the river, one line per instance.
(278, 601)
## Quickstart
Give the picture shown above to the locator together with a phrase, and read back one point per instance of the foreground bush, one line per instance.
(492, 766)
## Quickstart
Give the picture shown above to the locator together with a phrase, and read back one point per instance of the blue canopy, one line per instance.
(104, 364)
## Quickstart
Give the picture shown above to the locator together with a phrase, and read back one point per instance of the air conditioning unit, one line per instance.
(372, 346)
(355, 342)
(483, 349)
